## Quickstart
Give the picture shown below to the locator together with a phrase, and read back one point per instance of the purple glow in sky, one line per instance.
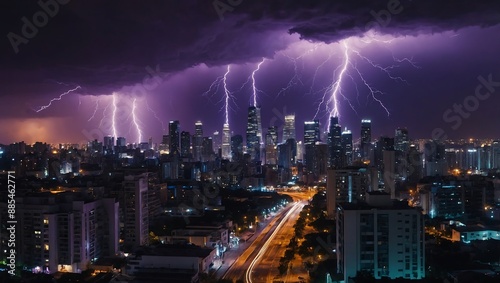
(315, 60)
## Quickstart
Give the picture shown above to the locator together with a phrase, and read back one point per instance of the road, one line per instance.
(265, 267)
(259, 261)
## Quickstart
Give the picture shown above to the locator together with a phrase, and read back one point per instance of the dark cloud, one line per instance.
(104, 45)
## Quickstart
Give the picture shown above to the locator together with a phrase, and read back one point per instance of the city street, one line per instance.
(259, 257)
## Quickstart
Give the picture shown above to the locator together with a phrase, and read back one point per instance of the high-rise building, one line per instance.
(134, 210)
(346, 148)
(366, 139)
(389, 172)
(271, 145)
(217, 140)
(382, 237)
(207, 149)
(174, 133)
(198, 129)
(286, 154)
(237, 147)
(289, 128)
(185, 144)
(345, 185)
(120, 141)
(226, 142)
(63, 231)
(272, 135)
(109, 143)
(253, 138)
(401, 140)
(335, 158)
(435, 159)
(311, 132)
(198, 141)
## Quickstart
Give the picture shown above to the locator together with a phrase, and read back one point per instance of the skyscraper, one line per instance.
(253, 138)
(401, 140)
(197, 141)
(366, 139)
(120, 141)
(226, 142)
(198, 129)
(346, 148)
(237, 147)
(270, 145)
(185, 144)
(335, 143)
(289, 128)
(311, 132)
(133, 199)
(383, 237)
(174, 133)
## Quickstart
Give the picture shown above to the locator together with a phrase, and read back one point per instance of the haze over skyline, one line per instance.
(420, 62)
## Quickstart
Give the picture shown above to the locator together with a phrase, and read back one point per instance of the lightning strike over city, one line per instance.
(254, 87)
(380, 111)
(113, 117)
(95, 109)
(136, 121)
(57, 99)
(227, 95)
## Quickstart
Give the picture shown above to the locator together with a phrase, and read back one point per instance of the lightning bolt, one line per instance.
(214, 89)
(156, 116)
(95, 110)
(113, 119)
(57, 99)
(336, 86)
(134, 119)
(227, 95)
(214, 86)
(296, 78)
(331, 96)
(254, 88)
(104, 114)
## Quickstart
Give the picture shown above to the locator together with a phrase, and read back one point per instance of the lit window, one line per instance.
(45, 221)
(46, 247)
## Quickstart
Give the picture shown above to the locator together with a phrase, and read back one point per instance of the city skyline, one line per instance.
(395, 65)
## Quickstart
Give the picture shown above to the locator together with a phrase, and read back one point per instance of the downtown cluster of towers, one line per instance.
(317, 151)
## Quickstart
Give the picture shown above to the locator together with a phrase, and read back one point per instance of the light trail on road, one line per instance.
(248, 274)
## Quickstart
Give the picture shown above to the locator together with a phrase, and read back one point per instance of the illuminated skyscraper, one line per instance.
(253, 138)
(335, 143)
(382, 237)
(346, 148)
(174, 132)
(198, 141)
(289, 128)
(271, 145)
(311, 132)
(366, 139)
(226, 142)
(216, 141)
(401, 141)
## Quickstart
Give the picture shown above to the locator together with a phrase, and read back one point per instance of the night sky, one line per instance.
(419, 63)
